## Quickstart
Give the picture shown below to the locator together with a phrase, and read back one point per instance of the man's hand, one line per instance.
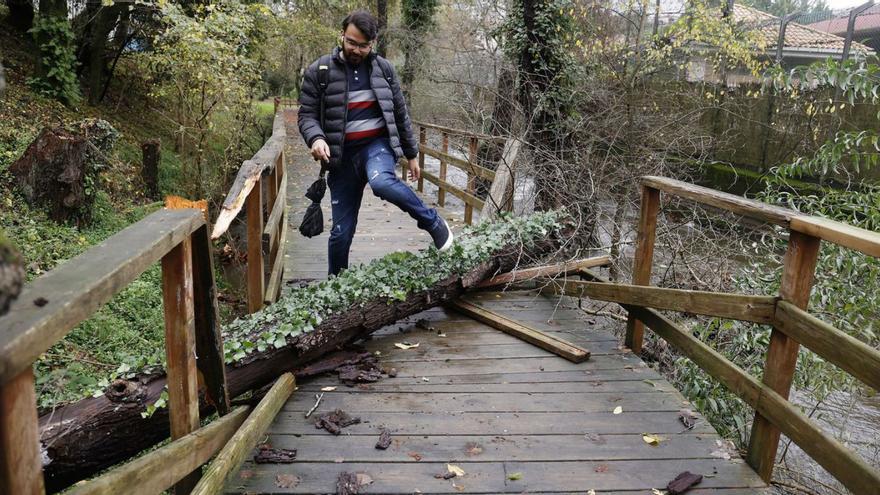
(320, 150)
(414, 171)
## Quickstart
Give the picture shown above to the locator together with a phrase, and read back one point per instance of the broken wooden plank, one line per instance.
(559, 347)
(245, 439)
(545, 271)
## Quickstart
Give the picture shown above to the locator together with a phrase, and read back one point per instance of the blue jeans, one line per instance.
(374, 164)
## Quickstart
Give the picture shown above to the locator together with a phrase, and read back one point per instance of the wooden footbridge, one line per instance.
(498, 412)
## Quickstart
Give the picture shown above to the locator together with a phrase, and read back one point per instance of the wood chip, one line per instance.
(683, 482)
(268, 455)
(384, 439)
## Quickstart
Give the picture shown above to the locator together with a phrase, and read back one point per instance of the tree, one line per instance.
(56, 75)
(382, 15)
(418, 18)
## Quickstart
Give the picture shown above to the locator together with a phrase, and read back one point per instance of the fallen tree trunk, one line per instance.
(87, 436)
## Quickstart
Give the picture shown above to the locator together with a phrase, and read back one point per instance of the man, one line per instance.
(365, 130)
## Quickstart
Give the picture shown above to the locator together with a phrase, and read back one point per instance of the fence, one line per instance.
(792, 326)
(469, 166)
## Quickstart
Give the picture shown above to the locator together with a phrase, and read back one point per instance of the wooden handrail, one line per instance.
(77, 288)
(459, 132)
(792, 326)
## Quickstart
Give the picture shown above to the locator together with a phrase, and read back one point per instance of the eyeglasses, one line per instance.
(354, 44)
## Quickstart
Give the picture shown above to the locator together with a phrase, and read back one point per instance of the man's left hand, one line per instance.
(414, 171)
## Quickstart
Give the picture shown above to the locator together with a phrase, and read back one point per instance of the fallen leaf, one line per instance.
(415, 455)
(246, 474)
(514, 476)
(328, 389)
(687, 418)
(459, 488)
(286, 480)
(339, 460)
(655, 491)
(363, 479)
(653, 440)
(683, 482)
(426, 379)
(618, 410)
(649, 382)
(473, 448)
(405, 345)
(591, 492)
(452, 468)
(601, 468)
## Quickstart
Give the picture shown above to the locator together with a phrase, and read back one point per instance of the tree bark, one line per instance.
(382, 15)
(53, 172)
(85, 437)
(103, 24)
(151, 155)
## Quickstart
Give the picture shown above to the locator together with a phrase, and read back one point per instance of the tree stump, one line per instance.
(59, 170)
(151, 153)
(11, 274)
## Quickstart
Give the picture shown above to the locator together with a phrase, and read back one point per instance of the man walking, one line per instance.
(365, 128)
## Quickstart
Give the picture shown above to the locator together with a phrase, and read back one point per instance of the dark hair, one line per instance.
(364, 21)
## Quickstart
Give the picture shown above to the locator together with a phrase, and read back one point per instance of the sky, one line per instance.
(844, 4)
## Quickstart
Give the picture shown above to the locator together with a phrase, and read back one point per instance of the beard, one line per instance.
(352, 56)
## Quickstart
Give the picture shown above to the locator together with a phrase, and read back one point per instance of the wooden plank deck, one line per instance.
(515, 418)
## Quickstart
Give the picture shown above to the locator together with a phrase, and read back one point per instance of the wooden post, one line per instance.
(643, 261)
(471, 180)
(423, 141)
(183, 393)
(255, 275)
(441, 193)
(209, 343)
(797, 280)
(277, 102)
(21, 470)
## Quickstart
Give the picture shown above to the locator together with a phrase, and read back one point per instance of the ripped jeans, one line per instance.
(373, 164)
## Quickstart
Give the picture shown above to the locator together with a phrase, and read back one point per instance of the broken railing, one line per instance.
(501, 192)
(792, 325)
(260, 188)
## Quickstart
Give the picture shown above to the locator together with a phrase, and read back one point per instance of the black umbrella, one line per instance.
(313, 220)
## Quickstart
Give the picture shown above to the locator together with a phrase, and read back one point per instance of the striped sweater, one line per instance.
(365, 122)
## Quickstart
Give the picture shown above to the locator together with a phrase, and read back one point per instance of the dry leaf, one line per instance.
(452, 468)
(363, 479)
(426, 379)
(246, 474)
(591, 492)
(415, 455)
(651, 439)
(286, 480)
(514, 476)
(328, 389)
(655, 491)
(339, 460)
(601, 468)
(618, 410)
(459, 488)
(405, 345)
(473, 448)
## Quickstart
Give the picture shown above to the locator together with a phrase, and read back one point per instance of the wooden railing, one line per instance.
(792, 326)
(261, 188)
(74, 291)
(502, 199)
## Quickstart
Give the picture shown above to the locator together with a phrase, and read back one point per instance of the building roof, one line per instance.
(797, 36)
(869, 20)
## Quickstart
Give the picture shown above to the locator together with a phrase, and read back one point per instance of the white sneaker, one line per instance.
(443, 240)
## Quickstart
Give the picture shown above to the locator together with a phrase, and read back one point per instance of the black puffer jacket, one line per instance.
(384, 81)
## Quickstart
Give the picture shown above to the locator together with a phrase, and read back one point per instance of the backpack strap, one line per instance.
(381, 63)
(323, 81)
